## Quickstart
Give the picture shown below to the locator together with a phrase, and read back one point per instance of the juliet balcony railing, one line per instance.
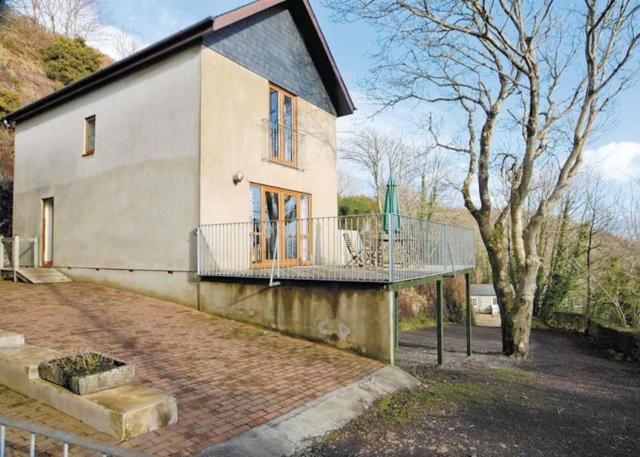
(283, 144)
(364, 248)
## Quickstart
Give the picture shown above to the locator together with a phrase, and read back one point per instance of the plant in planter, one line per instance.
(86, 372)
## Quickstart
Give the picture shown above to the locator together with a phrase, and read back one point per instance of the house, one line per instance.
(484, 299)
(202, 169)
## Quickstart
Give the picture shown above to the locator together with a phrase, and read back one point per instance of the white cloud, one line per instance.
(616, 161)
(401, 120)
(115, 42)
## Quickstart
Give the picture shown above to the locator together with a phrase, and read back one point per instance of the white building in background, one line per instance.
(484, 300)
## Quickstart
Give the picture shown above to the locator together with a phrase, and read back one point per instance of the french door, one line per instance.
(280, 227)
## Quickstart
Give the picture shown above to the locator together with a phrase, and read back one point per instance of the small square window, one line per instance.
(89, 136)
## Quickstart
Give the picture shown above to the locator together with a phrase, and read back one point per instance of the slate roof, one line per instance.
(482, 290)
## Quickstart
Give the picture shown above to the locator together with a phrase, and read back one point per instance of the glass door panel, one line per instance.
(271, 219)
(256, 224)
(290, 227)
(274, 126)
(305, 255)
(288, 128)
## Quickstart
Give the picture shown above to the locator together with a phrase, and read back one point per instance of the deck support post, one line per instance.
(393, 326)
(467, 283)
(16, 257)
(439, 319)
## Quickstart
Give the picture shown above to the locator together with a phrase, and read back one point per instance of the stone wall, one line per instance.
(353, 317)
(626, 342)
(570, 322)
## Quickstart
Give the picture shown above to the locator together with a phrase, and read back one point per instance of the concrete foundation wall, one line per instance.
(346, 316)
(178, 287)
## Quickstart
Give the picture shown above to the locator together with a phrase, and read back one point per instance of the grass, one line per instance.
(443, 393)
(417, 322)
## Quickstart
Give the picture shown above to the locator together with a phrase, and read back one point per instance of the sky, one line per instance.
(615, 152)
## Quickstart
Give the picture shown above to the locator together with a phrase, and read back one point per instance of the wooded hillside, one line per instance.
(33, 63)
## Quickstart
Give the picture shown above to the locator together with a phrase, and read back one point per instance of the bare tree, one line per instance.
(539, 74)
(380, 156)
(599, 221)
(123, 43)
(73, 18)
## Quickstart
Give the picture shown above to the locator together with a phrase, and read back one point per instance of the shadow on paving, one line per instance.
(566, 400)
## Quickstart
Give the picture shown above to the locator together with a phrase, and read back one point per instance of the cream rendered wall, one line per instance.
(234, 107)
(135, 203)
(235, 102)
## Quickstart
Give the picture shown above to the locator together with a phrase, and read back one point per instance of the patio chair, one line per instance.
(361, 257)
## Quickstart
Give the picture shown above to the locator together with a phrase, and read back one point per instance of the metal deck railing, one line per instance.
(67, 441)
(372, 248)
(16, 252)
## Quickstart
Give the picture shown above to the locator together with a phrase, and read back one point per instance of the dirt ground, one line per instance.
(567, 400)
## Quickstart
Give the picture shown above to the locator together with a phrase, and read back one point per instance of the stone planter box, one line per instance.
(82, 378)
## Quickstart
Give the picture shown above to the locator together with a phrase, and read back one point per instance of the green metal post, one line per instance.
(467, 280)
(395, 311)
(439, 313)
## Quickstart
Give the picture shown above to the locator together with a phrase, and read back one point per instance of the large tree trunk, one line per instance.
(515, 311)
(523, 311)
(516, 306)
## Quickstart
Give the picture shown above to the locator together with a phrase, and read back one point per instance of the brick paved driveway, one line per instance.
(228, 377)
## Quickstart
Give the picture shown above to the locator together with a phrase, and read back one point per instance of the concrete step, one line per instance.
(10, 340)
(123, 412)
(41, 275)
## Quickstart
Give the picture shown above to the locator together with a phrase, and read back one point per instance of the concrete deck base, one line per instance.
(287, 434)
(122, 412)
(358, 317)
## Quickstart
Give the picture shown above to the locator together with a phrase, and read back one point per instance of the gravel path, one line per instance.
(566, 400)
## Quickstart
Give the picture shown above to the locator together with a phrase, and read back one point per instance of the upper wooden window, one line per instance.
(89, 135)
(282, 126)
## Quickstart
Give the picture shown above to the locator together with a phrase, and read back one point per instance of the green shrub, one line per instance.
(356, 204)
(67, 60)
(9, 101)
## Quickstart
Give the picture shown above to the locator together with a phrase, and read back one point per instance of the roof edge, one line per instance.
(143, 57)
(340, 97)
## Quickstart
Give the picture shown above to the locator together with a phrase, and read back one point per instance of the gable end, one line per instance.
(270, 44)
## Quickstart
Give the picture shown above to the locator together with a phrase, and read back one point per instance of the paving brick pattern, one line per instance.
(228, 377)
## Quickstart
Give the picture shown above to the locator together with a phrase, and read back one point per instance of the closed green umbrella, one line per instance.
(391, 207)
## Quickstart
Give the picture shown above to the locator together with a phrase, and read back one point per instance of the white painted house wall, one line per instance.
(168, 140)
(134, 204)
(484, 304)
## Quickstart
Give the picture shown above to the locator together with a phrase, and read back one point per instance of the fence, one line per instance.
(67, 440)
(17, 252)
(363, 248)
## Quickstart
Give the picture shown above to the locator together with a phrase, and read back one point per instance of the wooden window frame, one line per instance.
(281, 158)
(87, 121)
(264, 263)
